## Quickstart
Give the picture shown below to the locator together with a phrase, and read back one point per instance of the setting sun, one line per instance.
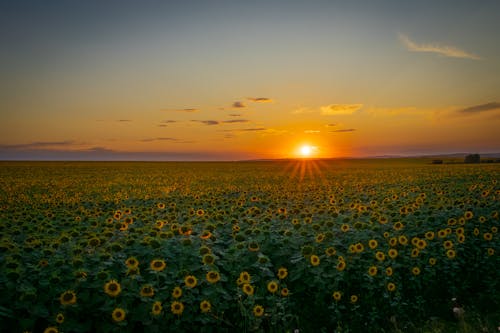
(307, 150)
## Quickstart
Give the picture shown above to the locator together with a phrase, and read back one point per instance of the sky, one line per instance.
(232, 80)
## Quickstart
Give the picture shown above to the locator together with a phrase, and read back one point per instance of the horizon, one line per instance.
(237, 81)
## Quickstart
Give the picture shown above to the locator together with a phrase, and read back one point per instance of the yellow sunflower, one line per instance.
(372, 243)
(59, 318)
(372, 271)
(68, 297)
(177, 308)
(391, 286)
(337, 295)
(284, 292)
(354, 298)
(190, 281)
(415, 271)
(330, 251)
(272, 287)
(132, 262)
(248, 289)
(51, 329)
(389, 271)
(432, 261)
(258, 311)
(177, 292)
(147, 291)
(158, 265)
(213, 276)
(314, 260)
(341, 265)
(118, 315)
(205, 306)
(380, 256)
(487, 236)
(244, 277)
(451, 253)
(156, 308)
(112, 288)
(393, 253)
(344, 227)
(282, 273)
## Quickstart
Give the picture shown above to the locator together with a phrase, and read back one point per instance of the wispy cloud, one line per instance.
(168, 121)
(124, 120)
(239, 104)
(207, 122)
(312, 131)
(331, 125)
(260, 99)
(481, 108)
(235, 115)
(444, 50)
(340, 109)
(39, 145)
(183, 110)
(343, 130)
(233, 121)
(303, 110)
(158, 139)
(256, 129)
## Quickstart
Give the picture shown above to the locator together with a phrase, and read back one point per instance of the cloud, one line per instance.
(158, 139)
(331, 125)
(340, 109)
(207, 122)
(238, 104)
(312, 131)
(234, 115)
(444, 50)
(260, 99)
(302, 110)
(481, 108)
(183, 110)
(252, 129)
(39, 145)
(124, 120)
(343, 130)
(168, 121)
(232, 121)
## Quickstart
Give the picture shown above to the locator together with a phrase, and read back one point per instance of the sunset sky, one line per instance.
(231, 80)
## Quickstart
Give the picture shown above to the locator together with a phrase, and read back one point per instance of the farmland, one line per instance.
(360, 245)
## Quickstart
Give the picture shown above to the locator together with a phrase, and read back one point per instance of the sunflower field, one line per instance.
(345, 246)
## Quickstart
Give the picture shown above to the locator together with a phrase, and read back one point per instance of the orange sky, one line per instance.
(237, 80)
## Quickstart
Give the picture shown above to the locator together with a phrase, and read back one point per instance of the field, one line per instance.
(347, 246)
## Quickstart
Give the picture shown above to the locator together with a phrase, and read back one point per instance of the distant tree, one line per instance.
(472, 158)
(437, 161)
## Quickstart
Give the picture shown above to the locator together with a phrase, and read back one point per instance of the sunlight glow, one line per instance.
(307, 150)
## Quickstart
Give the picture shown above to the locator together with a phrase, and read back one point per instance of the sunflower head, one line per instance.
(244, 277)
(158, 265)
(190, 281)
(112, 288)
(177, 308)
(213, 276)
(147, 291)
(132, 262)
(272, 287)
(258, 311)
(156, 308)
(205, 306)
(118, 315)
(282, 273)
(337, 295)
(68, 297)
(177, 292)
(314, 260)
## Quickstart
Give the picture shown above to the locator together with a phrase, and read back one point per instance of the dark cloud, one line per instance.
(235, 121)
(168, 121)
(162, 125)
(207, 122)
(124, 120)
(481, 108)
(332, 125)
(238, 104)
(344, 130)
(158, 139)
(234, 115)
(252, 129)
(260, 99)
(38, 145)
(183, 110)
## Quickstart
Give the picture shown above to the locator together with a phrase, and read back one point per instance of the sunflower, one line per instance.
(341, 265)
(51, 329)
(248, 289)
(403, 240)
(244, 277)
(253, 247)
(372, 243)
(393, 241)
(272, 287)
(285, 292)
(59, 318)
(421, 244)
(344, 227)
(177, 307)
(258, 311)
(94, 242)
(43, 263)
(132, 262)
(160, 205)
(213, 276)
(320, 238)
(415, 271)
(200, 212)
(398, 226)
(429, 235)
(448, 244)
(393, 253)
(451, 254)
(156, 308)
(190, 281)
(491, 251)
(206, 234)
(158, 265)
(112, 288)
(389, 271)
(330, 251)
(68, 297)
(391, 286)
(442, 233)
(487, 236)
(372, 271)
(118, 315)
(476, 232)
(383, 220)
(415, 252)
(177, 292)
(432, 261)
(208, 259)
(461, 238)
(205, 306)
(147, 291)
(282, 273)
(354, 298)
(380, 256)
(132, 271)
(482, 219)
(468, 215)
(337, 295)
(314, 260)
(358, 248)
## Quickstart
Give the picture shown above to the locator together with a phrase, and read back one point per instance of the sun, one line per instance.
(307, 150)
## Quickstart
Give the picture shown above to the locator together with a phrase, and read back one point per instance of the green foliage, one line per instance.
(394, 240)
